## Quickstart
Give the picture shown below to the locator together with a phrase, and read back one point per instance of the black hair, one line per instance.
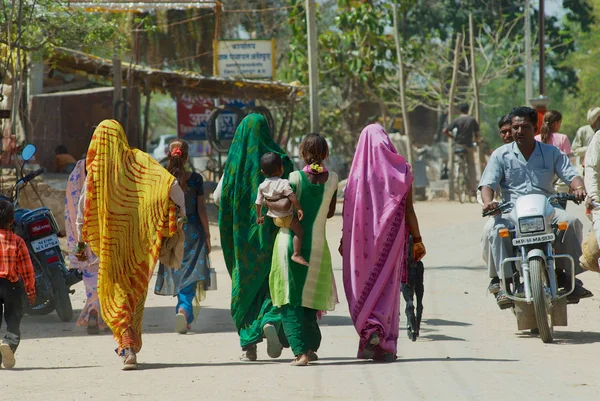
(506, 119)
(7, 213)
(270, 163)
(61, 150)
(463, 108)
(177, 160)
(525, 112)
(314, 148)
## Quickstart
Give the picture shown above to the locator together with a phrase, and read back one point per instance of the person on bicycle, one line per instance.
(467, 132)
(528, 167)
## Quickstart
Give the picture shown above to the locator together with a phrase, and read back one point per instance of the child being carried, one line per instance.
(277, 194)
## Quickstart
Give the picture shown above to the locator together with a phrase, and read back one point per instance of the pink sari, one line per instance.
(375, 238)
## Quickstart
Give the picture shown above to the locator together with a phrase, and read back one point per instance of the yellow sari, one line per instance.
(127, 214)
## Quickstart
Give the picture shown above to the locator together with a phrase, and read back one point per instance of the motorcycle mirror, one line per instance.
(28, 152)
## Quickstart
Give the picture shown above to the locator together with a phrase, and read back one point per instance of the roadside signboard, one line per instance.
(245, 59)
(192, 117)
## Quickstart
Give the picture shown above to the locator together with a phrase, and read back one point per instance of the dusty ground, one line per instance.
(469, 350)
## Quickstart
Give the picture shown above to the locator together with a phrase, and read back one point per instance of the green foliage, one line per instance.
(49, 23)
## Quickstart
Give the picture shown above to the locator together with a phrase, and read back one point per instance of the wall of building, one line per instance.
(68, 118)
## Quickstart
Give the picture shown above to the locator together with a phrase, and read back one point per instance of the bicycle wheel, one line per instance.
(459, 180)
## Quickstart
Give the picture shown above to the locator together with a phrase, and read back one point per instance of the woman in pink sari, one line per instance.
(378, 218)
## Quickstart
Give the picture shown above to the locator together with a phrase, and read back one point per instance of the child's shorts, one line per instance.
(283, 222)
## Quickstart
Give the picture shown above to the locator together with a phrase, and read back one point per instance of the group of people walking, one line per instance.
(122, 207)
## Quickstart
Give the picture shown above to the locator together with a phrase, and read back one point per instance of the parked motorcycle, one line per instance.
(39, 230)
(539, 304)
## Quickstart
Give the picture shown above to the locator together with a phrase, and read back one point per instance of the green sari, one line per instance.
(248, 247)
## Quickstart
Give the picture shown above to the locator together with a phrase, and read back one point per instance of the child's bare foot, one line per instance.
(301, 360)
(299, 259)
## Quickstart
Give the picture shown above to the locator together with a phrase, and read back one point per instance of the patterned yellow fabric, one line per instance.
(127, 213)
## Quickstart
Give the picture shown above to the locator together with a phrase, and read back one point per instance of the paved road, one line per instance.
(469, 349)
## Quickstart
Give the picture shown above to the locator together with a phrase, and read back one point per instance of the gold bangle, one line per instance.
(579, 187)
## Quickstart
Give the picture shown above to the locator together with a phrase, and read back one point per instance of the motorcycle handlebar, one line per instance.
(33, 174)
(500, 208)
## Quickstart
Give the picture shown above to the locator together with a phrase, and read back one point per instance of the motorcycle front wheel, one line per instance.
(539, 283)
(42, 309)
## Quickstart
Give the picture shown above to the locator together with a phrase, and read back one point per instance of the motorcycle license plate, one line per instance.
(42, 244)
(533, 240)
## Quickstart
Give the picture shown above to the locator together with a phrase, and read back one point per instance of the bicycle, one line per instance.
(461, 176)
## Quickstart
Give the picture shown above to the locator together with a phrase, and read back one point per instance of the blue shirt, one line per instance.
(515, 176)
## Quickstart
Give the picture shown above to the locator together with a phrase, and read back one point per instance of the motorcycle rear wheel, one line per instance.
(62, 298)
(539, 280)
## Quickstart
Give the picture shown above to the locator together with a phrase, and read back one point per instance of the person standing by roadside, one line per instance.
(190, 281)
(247, 246)
(467, 133)
(16, 275)
(378, 217)
(90, 316)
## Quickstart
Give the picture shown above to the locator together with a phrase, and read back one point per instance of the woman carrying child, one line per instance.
(378, 217)
(301, 291)
(247, 246)
(190, 281)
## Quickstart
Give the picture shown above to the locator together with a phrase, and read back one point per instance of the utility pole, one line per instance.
(542, 50)
(476, 111)
(313, 64)
(459, 40)
(528, 57)
(405, 121)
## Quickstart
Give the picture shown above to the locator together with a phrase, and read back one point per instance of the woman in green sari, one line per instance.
(248, 247)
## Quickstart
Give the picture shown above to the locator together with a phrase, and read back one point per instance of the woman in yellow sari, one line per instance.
(126, 212)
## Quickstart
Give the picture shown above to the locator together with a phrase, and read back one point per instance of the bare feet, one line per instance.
(301, 360)
(299, 259)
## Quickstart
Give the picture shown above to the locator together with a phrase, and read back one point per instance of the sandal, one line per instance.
(369, 351)
(312, 356)
(129, 360)
(92, 325)
(250, 354)
(580, 292)
(300, 360)
(503, 301)
(181, 325)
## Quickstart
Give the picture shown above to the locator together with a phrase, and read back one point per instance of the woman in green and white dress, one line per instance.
(302, 291)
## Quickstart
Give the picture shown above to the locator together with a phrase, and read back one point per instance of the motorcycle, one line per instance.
(539, 305)
(39, 230)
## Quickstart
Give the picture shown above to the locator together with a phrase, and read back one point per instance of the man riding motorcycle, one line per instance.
(528, 167)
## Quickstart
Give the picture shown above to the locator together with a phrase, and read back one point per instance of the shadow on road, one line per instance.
(354, 361)
(53, 368)
(170, 365)
(329, 320)
(442, 322)
(440, 337)
(156, 320)
(456, 268)
(569, 337)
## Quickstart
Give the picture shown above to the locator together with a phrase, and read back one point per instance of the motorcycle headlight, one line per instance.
(531, 224)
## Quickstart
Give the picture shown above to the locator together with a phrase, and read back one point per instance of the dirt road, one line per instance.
(469, 349)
